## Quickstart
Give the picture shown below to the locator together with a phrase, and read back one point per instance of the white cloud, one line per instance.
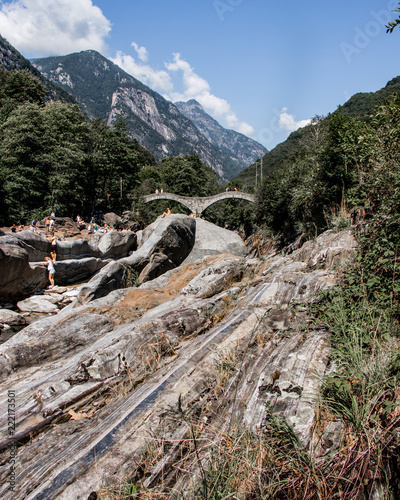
(141, 52)
(157, 80)
(196, 87)
(53, 27)
(289, 123)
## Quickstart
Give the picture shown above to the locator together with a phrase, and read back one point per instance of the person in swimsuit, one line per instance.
(51, 270)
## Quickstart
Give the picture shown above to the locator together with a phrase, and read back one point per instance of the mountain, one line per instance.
(360, 105)
(11, 59)
(103, 90)
(242, 149)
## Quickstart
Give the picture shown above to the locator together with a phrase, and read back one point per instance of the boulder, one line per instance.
(66, 226)
(114, 244)
(74, 249)
(65, 337)
(158, 264)
(37, 304)
(73, 271)
(329, 251)
(11, 318)
(215, 278)
(36, 246)
(111, 219)
(57, 289)
(18, 279)
(171, 236)
(214, 240)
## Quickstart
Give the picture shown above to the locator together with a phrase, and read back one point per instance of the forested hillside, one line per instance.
(53, 158)
(11, 59)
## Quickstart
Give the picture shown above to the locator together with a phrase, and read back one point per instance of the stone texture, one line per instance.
(217, 339)
(171, 236)
(11, 318)
(23, 271)
(18, 278)
(37, 303)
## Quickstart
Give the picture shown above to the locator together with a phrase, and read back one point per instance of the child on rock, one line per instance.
(51, 270)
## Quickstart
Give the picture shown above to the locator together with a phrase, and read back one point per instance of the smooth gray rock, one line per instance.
(65, 338)
(36, 246)
(214, 240)
(111, 218)
(75, 270)
(11, 318)
(329, 251)
(109, 388)
(114, 244)
(38, 304)
(215, 278)
(23, 271)
(18, 279)
(172, 236)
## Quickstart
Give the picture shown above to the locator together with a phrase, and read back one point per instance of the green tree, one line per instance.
(64, 155)
(116, 160)
(19, 87)
(22, 171)
(187, 176)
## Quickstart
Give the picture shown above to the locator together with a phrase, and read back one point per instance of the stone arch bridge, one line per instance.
(198, 204)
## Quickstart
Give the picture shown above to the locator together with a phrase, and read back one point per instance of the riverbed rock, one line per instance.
(71, 271)
(11, 318)
(114, 244)
(36, 246)
(111, 219)
(23, 270)
(38, 304)
(172, 236)
(218, 341)
(18, 279)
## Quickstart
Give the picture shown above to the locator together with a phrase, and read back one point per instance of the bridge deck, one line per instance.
(199, 204)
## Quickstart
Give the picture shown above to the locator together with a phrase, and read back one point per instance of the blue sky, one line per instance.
(261, 67)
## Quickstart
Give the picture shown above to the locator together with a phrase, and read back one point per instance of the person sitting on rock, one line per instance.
(51, 270)
(168, 212)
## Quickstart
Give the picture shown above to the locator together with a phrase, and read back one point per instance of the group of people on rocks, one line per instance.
(16, 229)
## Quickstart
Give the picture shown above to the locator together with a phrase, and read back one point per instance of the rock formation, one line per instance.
(211, 342)
(24, 270)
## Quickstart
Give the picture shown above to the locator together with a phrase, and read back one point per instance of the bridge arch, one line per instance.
(198, 204)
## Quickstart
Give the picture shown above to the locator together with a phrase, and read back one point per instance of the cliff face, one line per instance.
(121, 388)
(243, 149)
(105, 91)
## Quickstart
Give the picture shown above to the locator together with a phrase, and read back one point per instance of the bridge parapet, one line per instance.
(199, 204)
